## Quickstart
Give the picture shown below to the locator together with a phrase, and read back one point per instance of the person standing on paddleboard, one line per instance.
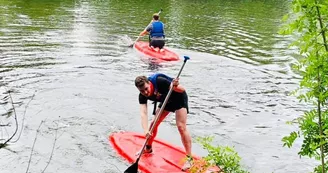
(155, 88)
(156, 33)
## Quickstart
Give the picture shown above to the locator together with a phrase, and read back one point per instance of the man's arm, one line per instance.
(146, 31)
(143, 33)
(144, 117)
(177, 87)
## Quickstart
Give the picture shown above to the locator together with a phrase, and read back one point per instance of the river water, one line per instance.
(68, 68)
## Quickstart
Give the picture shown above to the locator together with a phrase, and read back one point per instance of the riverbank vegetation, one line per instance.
(225, 157)
(309, 21)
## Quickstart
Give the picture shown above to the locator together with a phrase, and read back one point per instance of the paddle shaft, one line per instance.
(147, 26)
(161, 110)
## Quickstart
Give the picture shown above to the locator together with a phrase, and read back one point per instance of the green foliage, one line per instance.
(222, 156)
(310, 23)
(318, 169)
(289, 140)
(311, 132)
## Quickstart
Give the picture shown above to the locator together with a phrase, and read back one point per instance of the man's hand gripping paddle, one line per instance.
(134, 167)
(144, 29)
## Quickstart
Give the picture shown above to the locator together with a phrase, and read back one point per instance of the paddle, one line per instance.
(134, 167)
(144, 29)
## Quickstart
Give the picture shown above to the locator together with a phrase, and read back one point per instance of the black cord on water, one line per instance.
(12, 103)
(22, 126)
(36, 136)
(53, 148)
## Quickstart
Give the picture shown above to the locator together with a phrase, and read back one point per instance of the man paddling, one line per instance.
(155, 88)
(156, 33)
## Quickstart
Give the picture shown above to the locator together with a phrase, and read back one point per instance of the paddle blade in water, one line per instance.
(132, 169)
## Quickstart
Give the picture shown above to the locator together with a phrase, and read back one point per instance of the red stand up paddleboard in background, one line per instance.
(165, 55)
(166, 158)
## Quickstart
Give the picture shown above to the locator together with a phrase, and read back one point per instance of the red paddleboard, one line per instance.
(165, 55)
(166, 158)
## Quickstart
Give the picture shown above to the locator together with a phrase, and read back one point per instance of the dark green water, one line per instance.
(73, 56)
(243, 30)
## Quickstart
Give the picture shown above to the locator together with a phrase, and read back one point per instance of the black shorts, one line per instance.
(157, 43)
(178, 103)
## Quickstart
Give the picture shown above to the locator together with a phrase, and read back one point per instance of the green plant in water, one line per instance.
(222, 156)
(311, 22)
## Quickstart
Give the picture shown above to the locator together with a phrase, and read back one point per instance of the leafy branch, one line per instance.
(224, 157)
(312, 43)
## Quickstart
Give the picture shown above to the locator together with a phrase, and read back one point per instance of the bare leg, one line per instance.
(154, 133)
(181, 122)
